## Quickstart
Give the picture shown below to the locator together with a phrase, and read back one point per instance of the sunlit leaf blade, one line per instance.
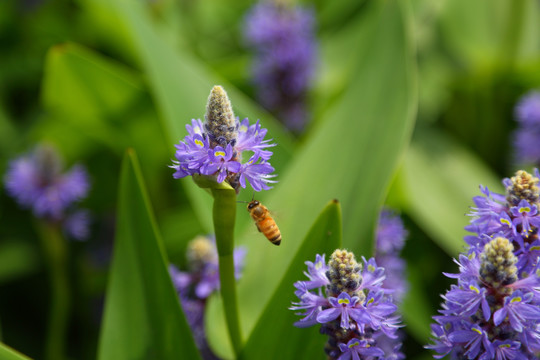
(349, 156)
(438, 179)
(7, 353)
(142, 318)
(266, 340)
(89, 93)
(487, 32)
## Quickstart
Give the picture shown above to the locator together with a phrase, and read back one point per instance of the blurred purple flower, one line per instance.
(36, 182)
(527, 135)
(283, 39)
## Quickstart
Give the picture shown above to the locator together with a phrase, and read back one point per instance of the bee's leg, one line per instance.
(258, 228)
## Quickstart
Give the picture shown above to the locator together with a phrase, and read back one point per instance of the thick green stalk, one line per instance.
(55, 250)
(224, 215)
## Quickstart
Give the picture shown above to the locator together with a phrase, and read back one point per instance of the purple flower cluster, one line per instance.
(285, 50)
(527, 135)
(493, 312)
(199, 282)
(353, 308)
(215, 148)
(36, 182)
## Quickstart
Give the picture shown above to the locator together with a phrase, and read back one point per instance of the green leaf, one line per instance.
(142, 318)
(486, 32)
(276, 320)
(438, 180)
(89, 93)
(350, 155)
(7, 353)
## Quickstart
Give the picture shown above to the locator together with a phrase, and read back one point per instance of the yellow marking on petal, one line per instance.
(477, 330)
(504, 345)
(199, 142)
(534, 248)
(356, 343)
(370, 301)
(371, 268)
(243, 128)
(516, 299)
(525, 209)
(344, 301)
(318, 265)
(474, 288)
(197, 130)
(506, 222)
(219, 153)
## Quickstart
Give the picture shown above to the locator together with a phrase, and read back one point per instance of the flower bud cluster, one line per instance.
(215, 148)
(347, 299)
(199, 282)
(36, 182)
(494, 310)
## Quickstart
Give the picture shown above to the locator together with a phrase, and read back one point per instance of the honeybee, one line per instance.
(264, 221)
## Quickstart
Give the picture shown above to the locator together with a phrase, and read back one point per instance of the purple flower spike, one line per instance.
(36, 182)
(366, 324)
(283, 39)
(215, 148)
(493, 312)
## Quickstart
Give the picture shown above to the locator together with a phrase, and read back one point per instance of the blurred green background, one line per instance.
(412, 106)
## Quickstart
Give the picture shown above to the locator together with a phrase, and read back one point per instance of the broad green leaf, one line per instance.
(142, 318)
(7, 353)
(485, 32)
(78, 80)
(438, 180)
(89, 95)
(276, 320)
(350, 155)
(91, 99)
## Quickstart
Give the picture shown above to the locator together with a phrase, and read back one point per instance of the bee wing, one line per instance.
(258, 228)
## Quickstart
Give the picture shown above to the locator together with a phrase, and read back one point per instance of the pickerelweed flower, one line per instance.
(527, 135)
(353, 308)
(493, 312)
(283, 39)
(199, 282)
(216, 147)
(36, 182)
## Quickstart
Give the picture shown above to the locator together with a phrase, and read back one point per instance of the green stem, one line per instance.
(224, 215)
(55, 250)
